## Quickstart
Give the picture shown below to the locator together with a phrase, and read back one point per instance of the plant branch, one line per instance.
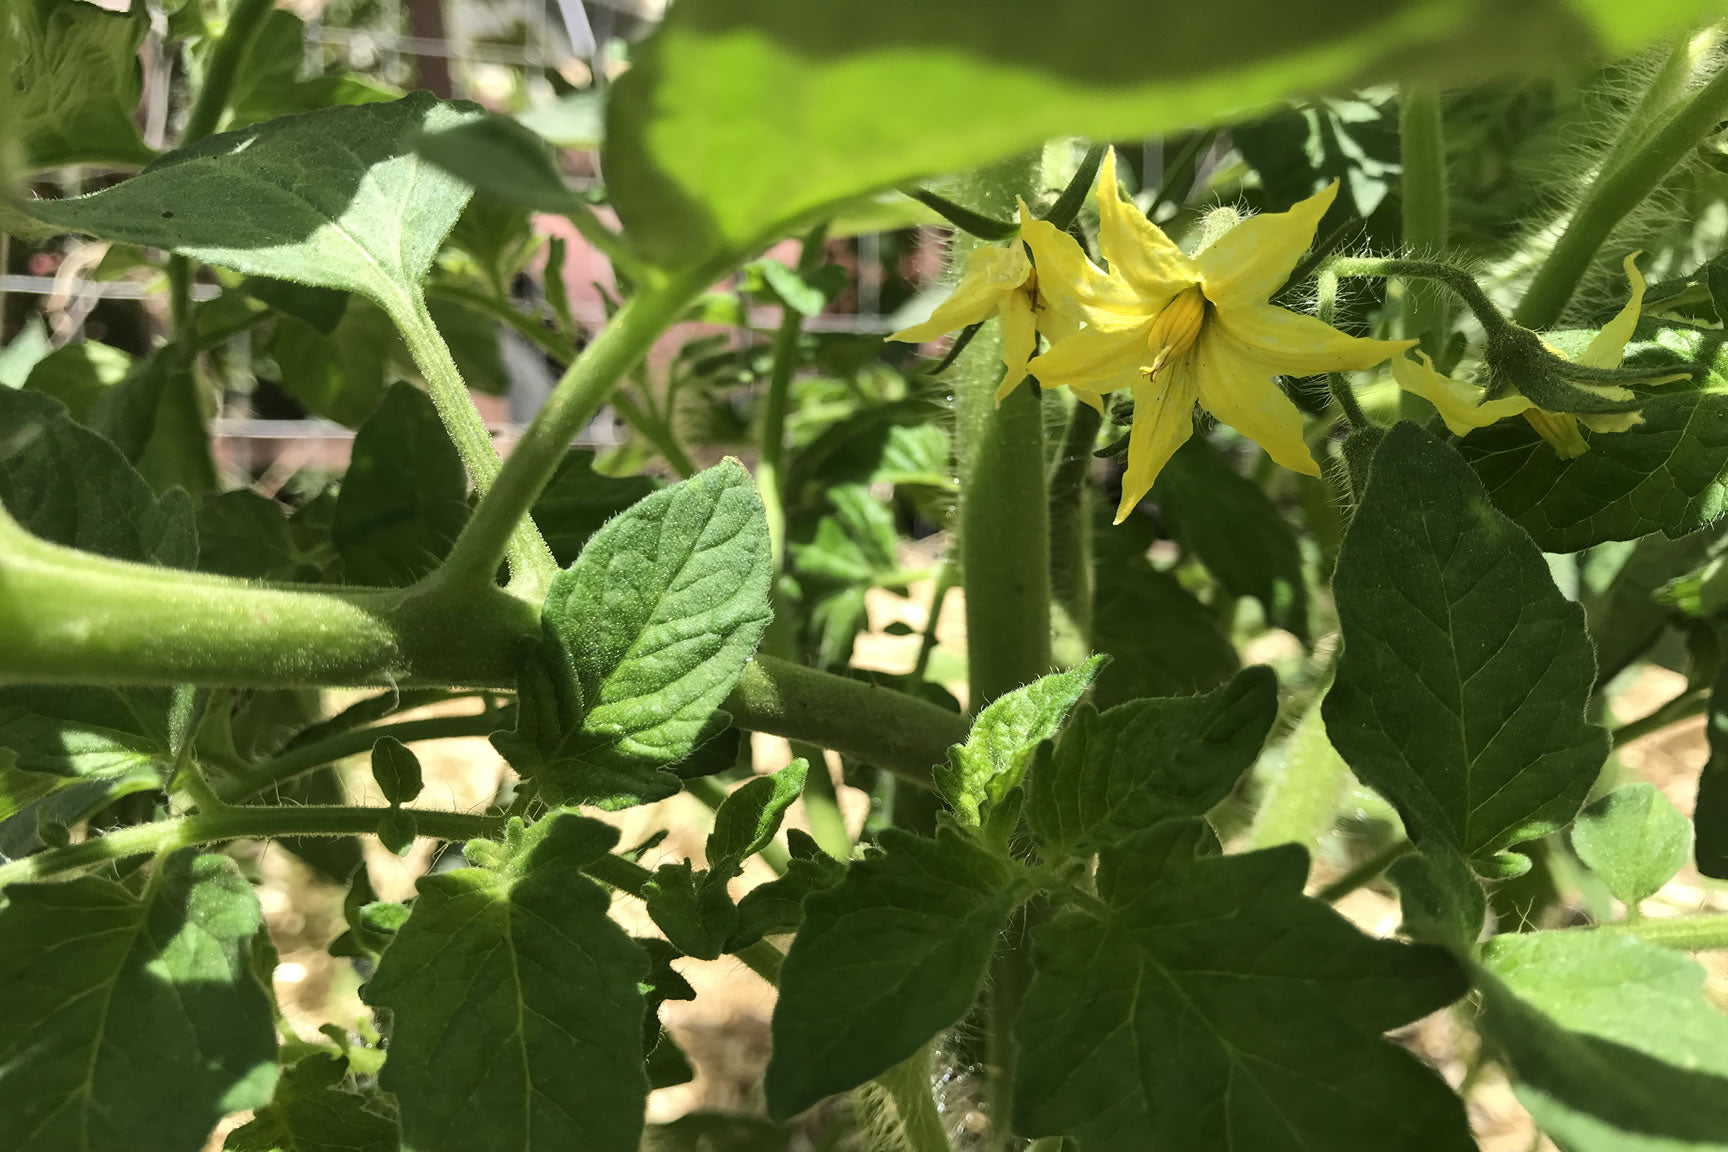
(243, 25)
(1617, 190)
(1682, 707)
(1366, 872)
(1707, 932)
(293, 762)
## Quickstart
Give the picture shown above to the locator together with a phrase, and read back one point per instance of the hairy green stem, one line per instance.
(585, 386)
(947, 575)
(243, 25)
(1682, 707)
(907, 1093)
(1366, 872)
(1703, 933)
(293, 762)
(1617, 190)
(1422, 187)
(531, 564)
(1071, 538)
(770, 468)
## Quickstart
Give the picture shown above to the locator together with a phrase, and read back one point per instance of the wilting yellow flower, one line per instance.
(997, 282)
(1179, 330)
(1463, 407)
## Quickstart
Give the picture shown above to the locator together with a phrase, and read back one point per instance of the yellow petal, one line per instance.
(1252, 260)
(1458, 402)
(1610, 421)
(1136, 249)
(1298, 345)
(1238, 389)
(1089, 355)
(1163, 421)
(1019, 341)
(1608, 347)
(1560, 430)
(1076, 287)
(991, 274)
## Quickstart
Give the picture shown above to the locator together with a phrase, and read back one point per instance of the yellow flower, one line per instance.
(1179, 330)
(997, 282)
(1463, 408)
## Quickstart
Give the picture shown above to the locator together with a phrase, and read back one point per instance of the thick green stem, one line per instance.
(1071, 538)
(1422, 147)
(906, 1092)
(1617, 191)
(206, 115)
(531, 564)
(297, 761)
(585, 386)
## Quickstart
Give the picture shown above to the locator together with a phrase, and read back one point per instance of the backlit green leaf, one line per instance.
(1461, 691)
(578, 500)
(313, 1111)
(748, 818)
(1610, 1042)
(78, 83)
(1006, 733)
(335, 198)
(516, 1007)
(340, 375)
(1122, 771)
(131, 1021)
(1215, 1007)
(396, 770)
(885, 960)
(1634, 839)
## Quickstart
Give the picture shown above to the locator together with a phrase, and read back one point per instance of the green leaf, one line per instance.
(404, 498)
(321, 309)
(313, 1111)
(578, 500)
(341, 375)
(516, 1006)
(1442, 900)
(717, 1132)
(1619, 584)
(1122, 771)
(1634, 839)
(1227, 521)
(1462, 687)
(241, 533)
(132, 1021)
(1004, 736)
(641, 639)
(1611, 1044)
(268, 82)
(502, 158)
(335, 198)
(1305, 780)
(1214, 1006)
(777, 906)
(693, 909)
(1710, 813)
(60, 735)
(739, 120)
(77, 82)
(1668, 474)
(396, 769)
(1700, 592)
(79, 376)
(747, 820)
(1160, 640)
(885, 960)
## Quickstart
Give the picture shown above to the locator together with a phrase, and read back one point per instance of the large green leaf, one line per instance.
(314, 1111)
(1227, 521)
(1618, 584)
(1668, 474)
(404, 498)
(77, 83)
(999, 748)
(1634, 839)
(1213, 1006)
(131, 1021)
(641, 639)
(341, 374)
(740, 118)
(335, 198)
(241, 533)
(516, 1006)
(885, 960)
(1610, 1041)
(1461, 690)
(1122, 771)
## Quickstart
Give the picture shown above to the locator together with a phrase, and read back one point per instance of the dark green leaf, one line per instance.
(79, 375)
(1122, 771)
(1610, 1042)
(717, 1132)
(501, 158)
(321, 309)
(1296, 151)
(472, 337)
(747, 820)
(693, 909)
(340, 375)
(241, 533)
(60, 735)
(1668, 474)
(1461, 691)
(1160, 640)
(738, 120)
(268, 82)
(404, 498)
(578, 500)
(1004, 736)
(516, 1006)
(1442, 900)
(77, 84)
(1227, 521)
(1700, 592)
(1618, 586)
(314, 1111)
(1634, 839)
(334, 198)
(132, 1021)
(641, 639)
(1710, 813)
(885, 960)
(1215, 1007)
(777, 906)
(666, 1063)
(397, 829)
(396, 769)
